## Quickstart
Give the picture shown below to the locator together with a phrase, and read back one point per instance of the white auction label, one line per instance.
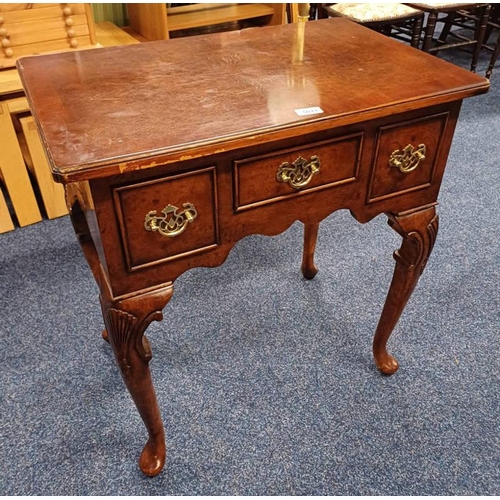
(309, 111)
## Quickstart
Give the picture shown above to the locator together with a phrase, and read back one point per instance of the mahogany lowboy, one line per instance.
(173, 151)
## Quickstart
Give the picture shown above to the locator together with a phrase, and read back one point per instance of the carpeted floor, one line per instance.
(265, 381)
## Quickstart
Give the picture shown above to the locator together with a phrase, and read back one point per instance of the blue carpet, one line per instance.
(265, 381)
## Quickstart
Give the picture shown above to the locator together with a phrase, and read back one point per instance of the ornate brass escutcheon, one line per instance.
(173, 222)
(408, 159)
(299, 173)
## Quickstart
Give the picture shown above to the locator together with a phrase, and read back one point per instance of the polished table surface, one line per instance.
(173, 151)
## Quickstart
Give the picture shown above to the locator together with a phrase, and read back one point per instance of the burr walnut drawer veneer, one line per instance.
(396, 143)
(296, 171)
(184, 198)
(187, 208)
(168, 165)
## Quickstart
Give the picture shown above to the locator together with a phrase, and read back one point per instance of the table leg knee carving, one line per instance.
(419, 231)
(309, 269)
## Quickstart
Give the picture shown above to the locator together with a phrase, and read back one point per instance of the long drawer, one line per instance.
(296, 171)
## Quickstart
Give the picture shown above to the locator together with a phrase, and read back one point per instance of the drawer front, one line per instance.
(406, 156)
(167, 218)
(293, 172)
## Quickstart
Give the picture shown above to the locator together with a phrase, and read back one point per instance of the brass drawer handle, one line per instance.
(173, 222)
(299, 173)
(408, 159)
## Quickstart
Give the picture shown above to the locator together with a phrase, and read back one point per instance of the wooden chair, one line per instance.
(393, 19)
(493, 24)
(468, 17)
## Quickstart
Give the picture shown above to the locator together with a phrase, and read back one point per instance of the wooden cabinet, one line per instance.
(157, 21)
(32, 29)
(35, 28)
(27, 29)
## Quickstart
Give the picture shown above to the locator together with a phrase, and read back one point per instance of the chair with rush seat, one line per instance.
(459, 19)
(393, 19)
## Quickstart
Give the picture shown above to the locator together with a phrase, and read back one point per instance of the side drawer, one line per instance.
(167, 218)
(406, 156)
(286, 173)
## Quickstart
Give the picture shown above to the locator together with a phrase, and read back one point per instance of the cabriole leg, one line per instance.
(419, 231)
(309, 269)
(126, 321)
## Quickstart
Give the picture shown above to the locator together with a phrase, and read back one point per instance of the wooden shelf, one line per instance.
(156, 21)
(109, 35)
(220, 14)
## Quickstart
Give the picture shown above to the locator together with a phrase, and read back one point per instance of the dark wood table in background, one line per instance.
(173, 151)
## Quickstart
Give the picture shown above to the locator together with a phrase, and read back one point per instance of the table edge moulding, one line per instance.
(194, 143)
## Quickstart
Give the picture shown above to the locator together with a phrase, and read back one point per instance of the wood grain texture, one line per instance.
(255, 178)
(52, 193)
(10, 82)
(14, 172)
(110, 35)
(6, 223)
(149, 20)
(155, 21)
(247, 84)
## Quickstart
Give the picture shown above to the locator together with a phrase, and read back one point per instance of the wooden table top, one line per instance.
(102, 106)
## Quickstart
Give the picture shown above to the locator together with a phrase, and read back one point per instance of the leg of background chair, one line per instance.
(494, 57)
(385, 29)
(419, 231)
(429, 31)
(484, 14)
(448, 23)
(416, 31)
(309, 269)
(322, 14)
(313, 11)
(494, 18)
